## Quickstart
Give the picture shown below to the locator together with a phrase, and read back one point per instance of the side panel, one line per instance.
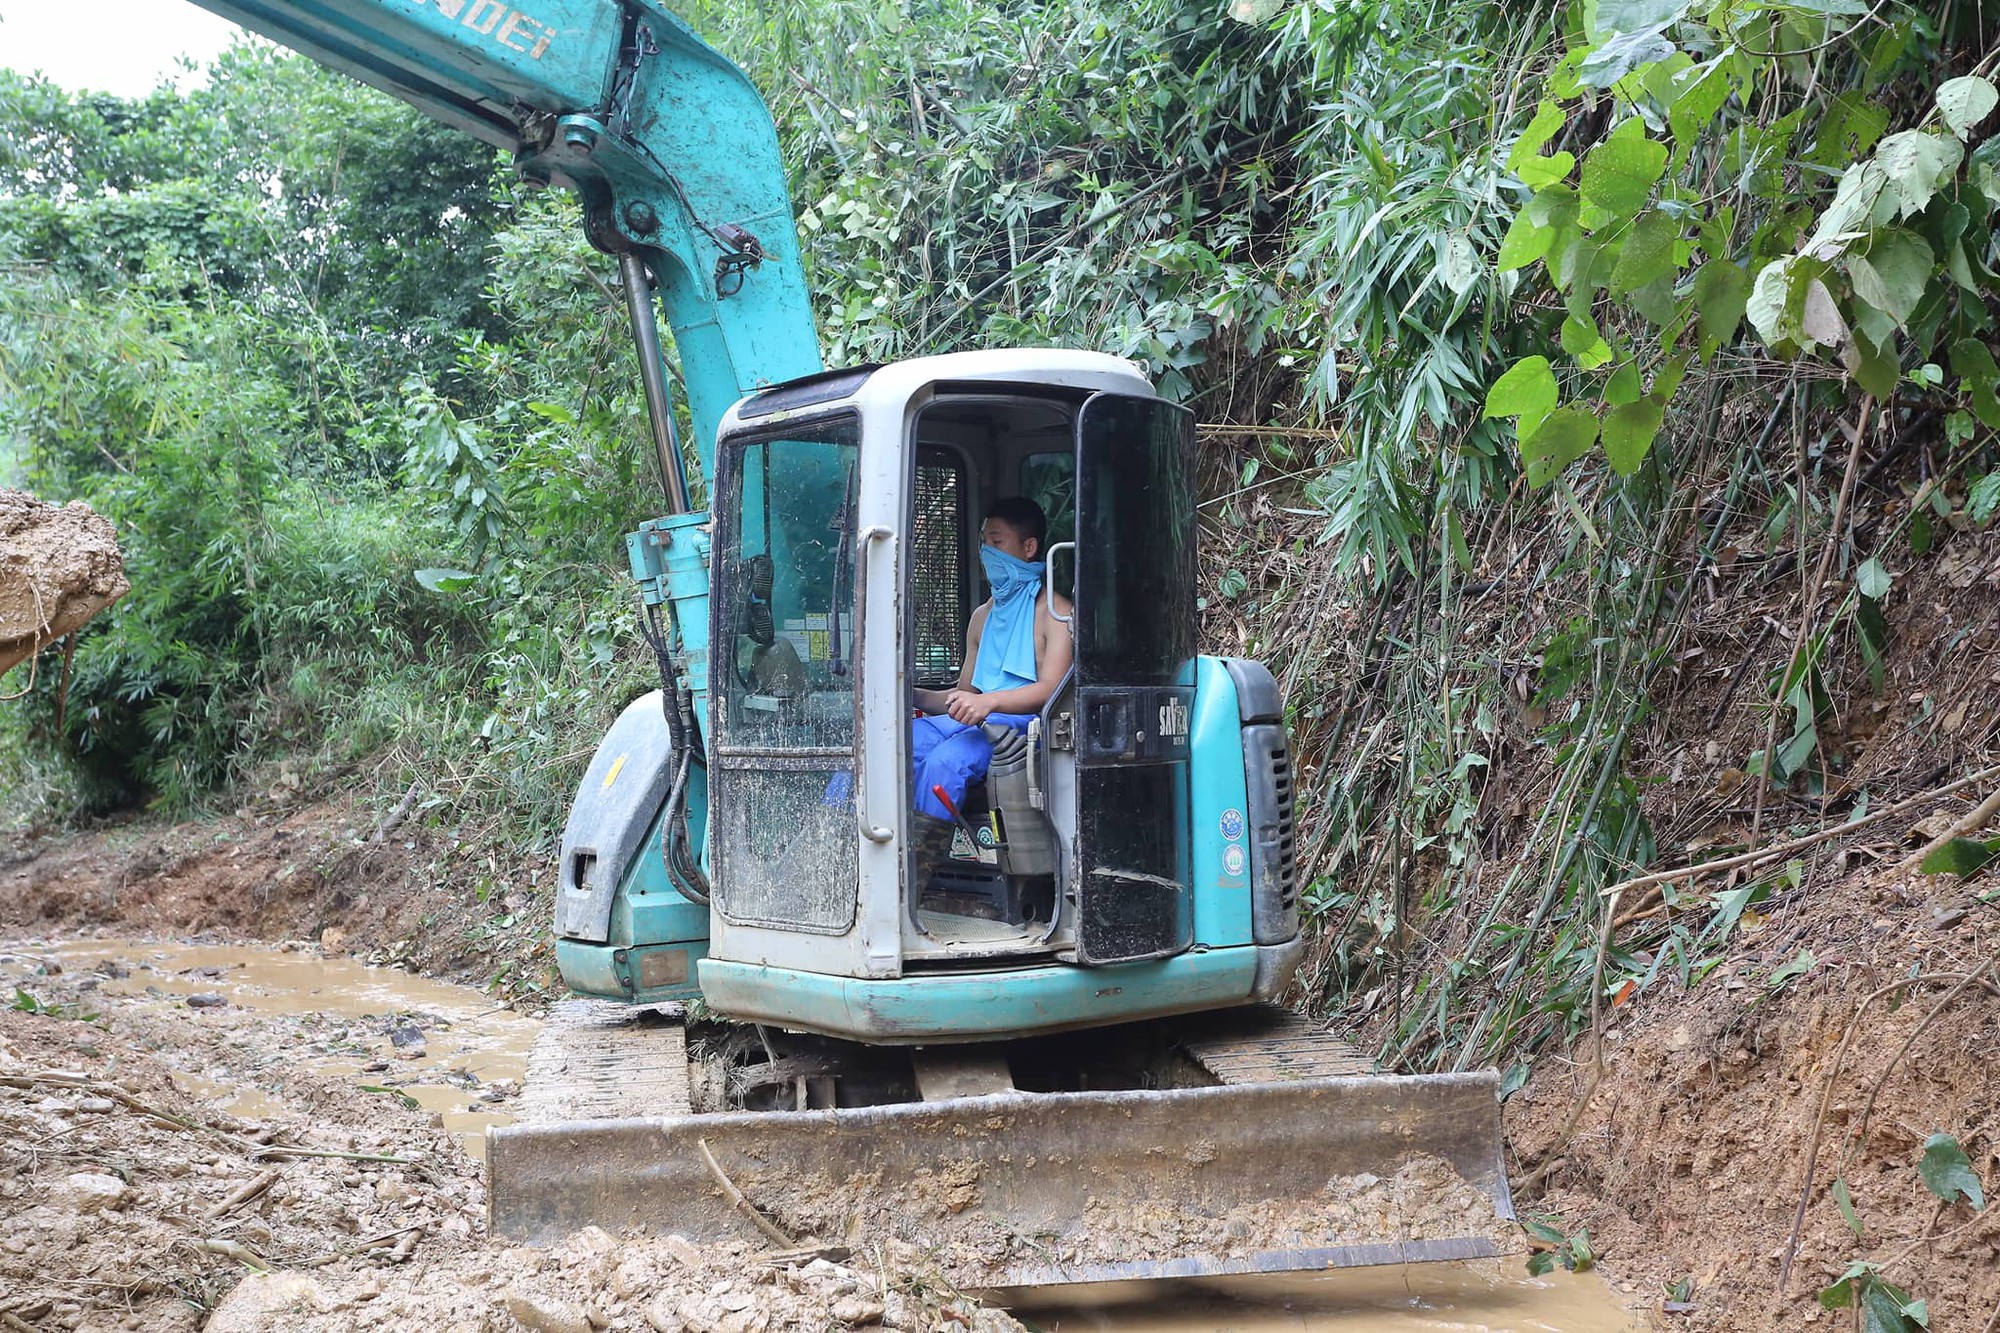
(618, 802)
(1219, 812)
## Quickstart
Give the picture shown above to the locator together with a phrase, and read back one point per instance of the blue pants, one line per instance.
(948, 753)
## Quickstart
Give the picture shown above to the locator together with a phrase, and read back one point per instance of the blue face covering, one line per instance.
(1007, 643)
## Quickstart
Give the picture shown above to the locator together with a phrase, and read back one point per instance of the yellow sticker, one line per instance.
(612, 776)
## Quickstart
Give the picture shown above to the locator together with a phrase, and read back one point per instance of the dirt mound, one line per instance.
(59, 566)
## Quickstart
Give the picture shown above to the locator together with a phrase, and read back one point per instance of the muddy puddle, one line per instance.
(1495, 1296)
(448, 1049)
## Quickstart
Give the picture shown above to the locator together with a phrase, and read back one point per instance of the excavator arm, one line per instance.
(667, 143)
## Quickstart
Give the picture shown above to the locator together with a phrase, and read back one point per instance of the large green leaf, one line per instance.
(1525, 242)
(1768, 300)
(1621, 55)
(1964, 102)
(1648, 254)
(1947, 1172)
(1721, 289)
(1914, 164)
(1541, 171)
(1637, 15)
(1619, 174)
(1542, 127)
(1629, 430)
(1849, 215)
(1564, 436)
(1873, 366)
(1582, 341)
(1973, 361)
(1699, 98)
(1894, 274)
(1960, 856)
(1527, 391)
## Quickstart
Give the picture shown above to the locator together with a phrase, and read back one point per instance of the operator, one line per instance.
(1016, 654)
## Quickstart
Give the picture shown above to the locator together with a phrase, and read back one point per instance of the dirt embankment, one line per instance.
(331, 871)
(1832, 1032)
(59, 566)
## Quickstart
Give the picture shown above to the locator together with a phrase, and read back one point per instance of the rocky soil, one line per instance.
(131, 1201)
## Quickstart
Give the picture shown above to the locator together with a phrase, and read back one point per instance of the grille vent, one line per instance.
(938, 609)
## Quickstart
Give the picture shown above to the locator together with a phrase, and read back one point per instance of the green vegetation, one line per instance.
(1481, 306)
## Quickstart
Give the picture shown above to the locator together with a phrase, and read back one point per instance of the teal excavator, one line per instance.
(1048, 1053)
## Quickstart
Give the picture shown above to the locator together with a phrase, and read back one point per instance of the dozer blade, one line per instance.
(1024, 1189)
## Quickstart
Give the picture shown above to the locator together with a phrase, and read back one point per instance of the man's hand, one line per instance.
(967, 706)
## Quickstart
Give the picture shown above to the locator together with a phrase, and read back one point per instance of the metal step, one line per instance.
(1262, 1044)
(598, 1060)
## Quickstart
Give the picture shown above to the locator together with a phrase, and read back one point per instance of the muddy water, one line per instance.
(1493, 1296)
(467, 1042)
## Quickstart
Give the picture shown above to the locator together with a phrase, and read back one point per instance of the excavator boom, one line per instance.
(667, 142)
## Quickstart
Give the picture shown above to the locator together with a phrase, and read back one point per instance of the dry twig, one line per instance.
(1777, 850)
(740, 1201)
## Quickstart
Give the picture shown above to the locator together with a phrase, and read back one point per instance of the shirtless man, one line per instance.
(1016, 653)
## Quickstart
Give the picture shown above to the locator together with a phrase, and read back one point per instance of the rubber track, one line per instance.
(1260, 1044)
(595, 1060)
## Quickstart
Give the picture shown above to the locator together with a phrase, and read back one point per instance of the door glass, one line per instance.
(1135, 542)
(783, 666)
(1135, 633)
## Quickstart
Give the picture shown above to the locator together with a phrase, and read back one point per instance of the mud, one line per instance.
(1488, 1296)
(59, 566)
(450, 1050)
(939, 1214)
(140, 1188)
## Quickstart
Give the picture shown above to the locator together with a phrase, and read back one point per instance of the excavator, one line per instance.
(1051, 1053)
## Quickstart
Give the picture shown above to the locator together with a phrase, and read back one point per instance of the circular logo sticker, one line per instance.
(1232, 824)
(1232, 860)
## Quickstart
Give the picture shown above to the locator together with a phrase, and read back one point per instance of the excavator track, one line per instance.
(1299, 1156)
(1260, 1044)
(597, 1060)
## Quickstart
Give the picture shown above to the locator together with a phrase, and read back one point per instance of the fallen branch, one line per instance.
(255, 1187)
(1973, 819)
(1776, 850)
(229, 1249)
(360, 1246)
(397, 815)
(741, 1202)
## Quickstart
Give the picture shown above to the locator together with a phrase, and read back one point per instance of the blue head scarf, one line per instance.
(1007, 644)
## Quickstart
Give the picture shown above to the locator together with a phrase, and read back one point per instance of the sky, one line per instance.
(116, 46)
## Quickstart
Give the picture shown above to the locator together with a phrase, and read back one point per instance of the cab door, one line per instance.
(1134, 620)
